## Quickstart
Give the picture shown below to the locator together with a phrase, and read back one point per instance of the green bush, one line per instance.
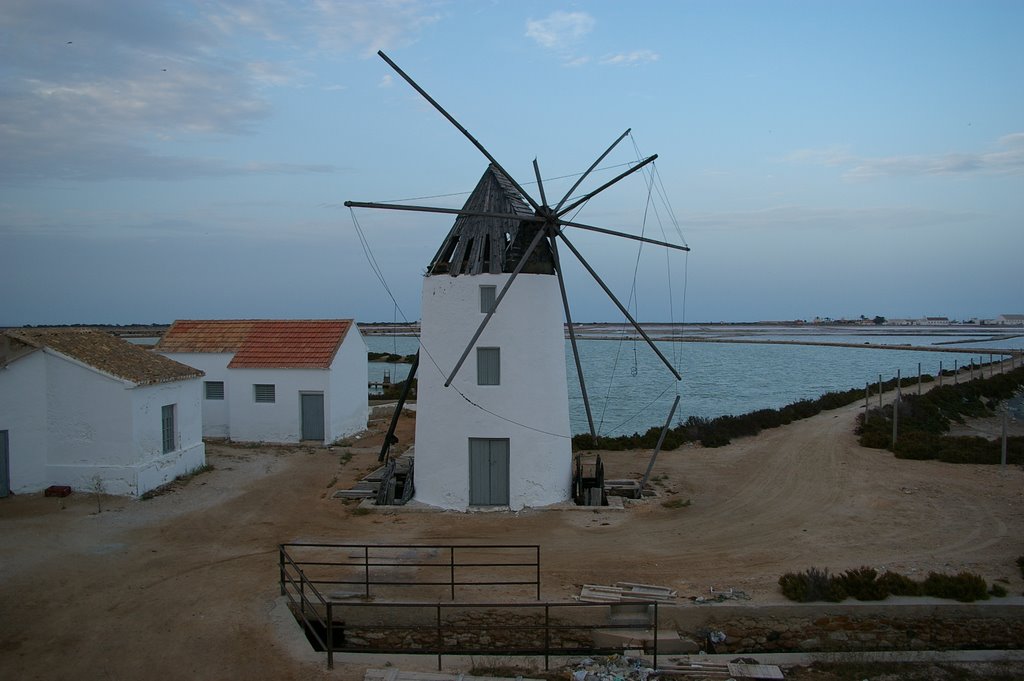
(811, 585)
(899, 585)
(1020, 564)
(997, 590)
(862, 583)
(966, 587)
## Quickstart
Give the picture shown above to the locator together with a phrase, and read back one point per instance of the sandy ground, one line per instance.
(185, 585)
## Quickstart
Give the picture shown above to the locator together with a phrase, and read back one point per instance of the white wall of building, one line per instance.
(347, 403)
(215, 366)
(239, 417)
(529, 407)
(153, 468)
(77, 423)
(23, 416)
(279, 421)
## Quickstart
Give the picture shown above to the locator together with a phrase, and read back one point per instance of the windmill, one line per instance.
(499, 435)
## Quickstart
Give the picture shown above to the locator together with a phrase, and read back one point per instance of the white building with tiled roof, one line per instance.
(275, 380)
(80, 403)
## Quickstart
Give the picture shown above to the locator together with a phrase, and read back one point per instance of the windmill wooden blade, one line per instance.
(497, 301)
(458, 125)
(624, 235)
(540, 183)
(622, 308)
(446, 211)
(591, 169)
(572, 335)
(609, 183)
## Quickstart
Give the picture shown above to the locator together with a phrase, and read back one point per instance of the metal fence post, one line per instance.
(538, 570)
(451, 562)
(330, 635)
(366, 570)
(547, 636)
(280, 566)
(440, 639)
(655, 635)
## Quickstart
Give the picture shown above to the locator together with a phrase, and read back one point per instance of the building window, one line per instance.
(170, 441)
(488, 366)
(214, 390)
(264, 392)
(487, 295)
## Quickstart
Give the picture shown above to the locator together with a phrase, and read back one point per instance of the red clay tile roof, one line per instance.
(108, 354)
(261, 343)
(205, 335)
(291, 344)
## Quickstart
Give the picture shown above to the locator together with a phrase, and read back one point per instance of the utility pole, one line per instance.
(867, 394)
(895, 419)
(1006, 416)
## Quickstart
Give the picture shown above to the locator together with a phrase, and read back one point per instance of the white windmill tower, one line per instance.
(494, 431)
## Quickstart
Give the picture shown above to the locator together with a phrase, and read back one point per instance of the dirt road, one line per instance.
(184, 585)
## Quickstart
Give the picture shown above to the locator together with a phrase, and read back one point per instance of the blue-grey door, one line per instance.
(312, 416)
(488, 472)
(5, 465)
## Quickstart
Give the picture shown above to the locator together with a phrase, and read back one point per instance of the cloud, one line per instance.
(99, 90)
(1007, 158)
(631, 58)
(332, 26)
(560, 30)
(387, 80)
(810, 218)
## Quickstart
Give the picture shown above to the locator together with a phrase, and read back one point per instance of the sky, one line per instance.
(190, 159)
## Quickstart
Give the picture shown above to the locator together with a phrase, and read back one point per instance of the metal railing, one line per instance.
(423, 566)
(465, 628)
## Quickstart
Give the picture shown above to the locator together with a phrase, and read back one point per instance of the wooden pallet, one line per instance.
(720, 670)
(626, 592)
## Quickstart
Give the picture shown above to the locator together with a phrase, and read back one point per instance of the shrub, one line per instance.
(1020, 564)
(862, 584)
(899, 585)
(966, 587)
(997, 590)
(811, 585)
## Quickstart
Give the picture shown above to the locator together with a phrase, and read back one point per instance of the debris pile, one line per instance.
(612, 668)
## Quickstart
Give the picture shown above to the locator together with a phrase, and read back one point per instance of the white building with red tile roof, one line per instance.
(79, 403)
(275, 380)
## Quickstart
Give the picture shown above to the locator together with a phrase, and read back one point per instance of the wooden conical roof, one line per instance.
(479, 245)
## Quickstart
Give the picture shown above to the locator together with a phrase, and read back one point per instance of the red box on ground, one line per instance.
(57, 491)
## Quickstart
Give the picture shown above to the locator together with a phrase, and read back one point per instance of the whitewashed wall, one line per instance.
(347, 404)
(23, 416)
(279, 421)
(154, 468)
(85, 423)
(215, 366)
(530, 407)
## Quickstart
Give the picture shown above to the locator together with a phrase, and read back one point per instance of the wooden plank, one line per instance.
(756, 671)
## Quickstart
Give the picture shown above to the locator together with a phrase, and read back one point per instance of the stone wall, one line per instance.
(848, 634)
(852, 627)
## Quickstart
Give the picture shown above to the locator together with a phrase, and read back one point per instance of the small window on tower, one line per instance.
(487, 295)
(488, 366)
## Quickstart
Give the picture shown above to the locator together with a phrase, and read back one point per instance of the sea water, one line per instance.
(631, 390)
